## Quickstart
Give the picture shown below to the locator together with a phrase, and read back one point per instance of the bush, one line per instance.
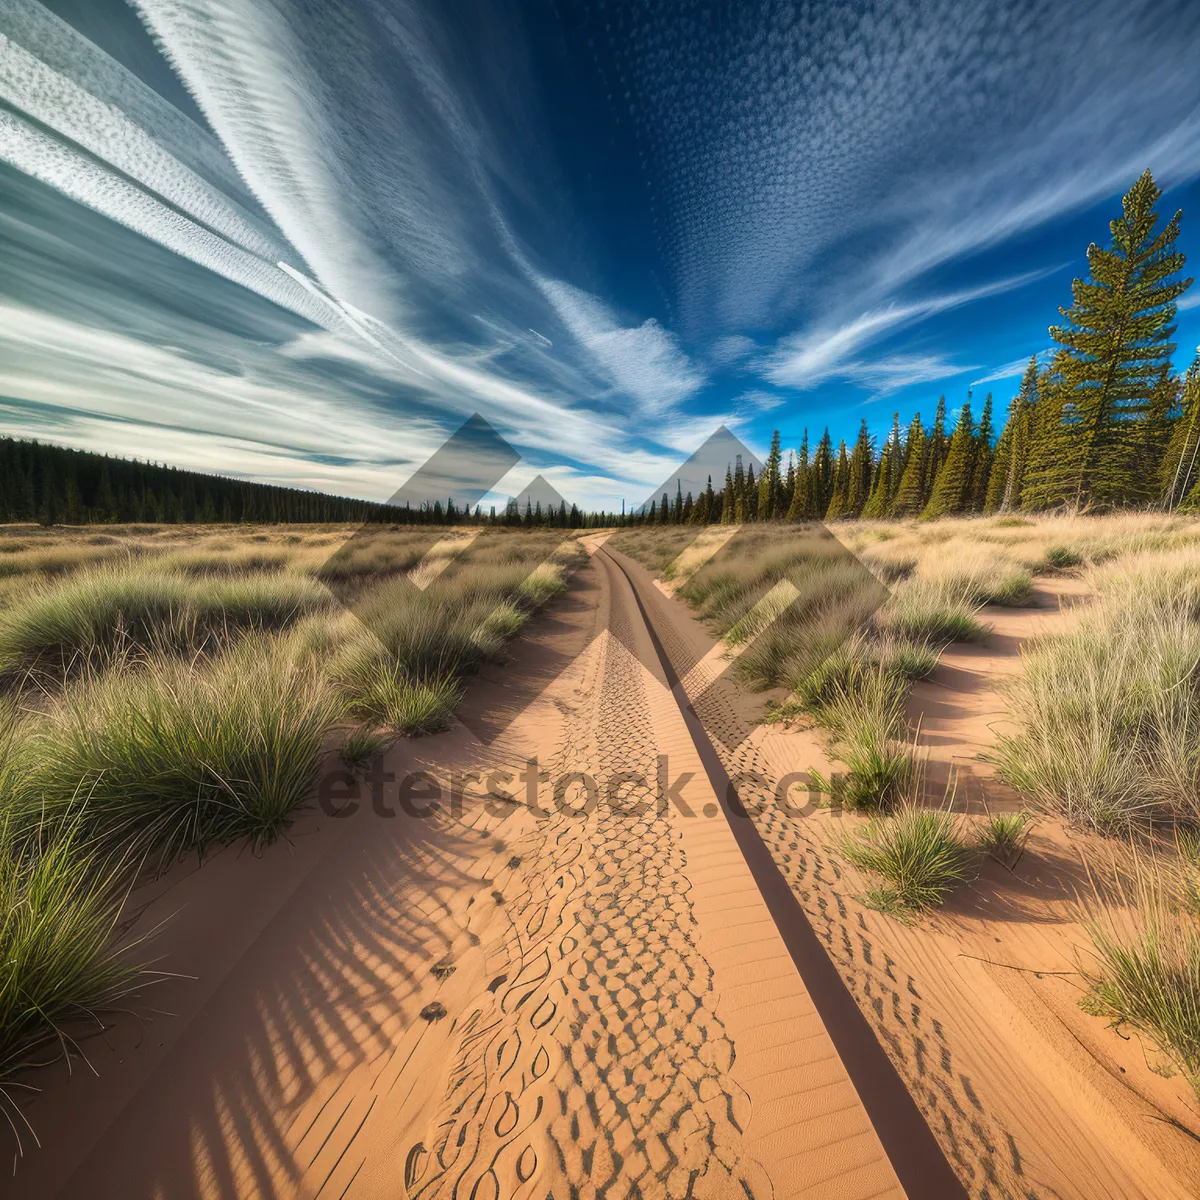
(60, 962)
(918, 854)
(1146, 968)
(1109, 712)
(172, 759)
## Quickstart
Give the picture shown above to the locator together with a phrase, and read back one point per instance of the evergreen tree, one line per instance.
(770, 485)
(841, 485)
(1021, 418)
(910, 494)
(1178, 471)
(820, 477)
(950, 488)
(1114, 345)
(887, 481)
(981, 460)
(750, 498)
(728, 514)
(798, 509)
(938, 445)
(862, 460)
(789, 487)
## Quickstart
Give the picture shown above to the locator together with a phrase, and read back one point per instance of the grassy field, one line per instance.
(166, 690)
(1105, 713)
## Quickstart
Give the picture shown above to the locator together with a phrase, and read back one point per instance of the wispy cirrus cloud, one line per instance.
(805, 359)
(1012, 370)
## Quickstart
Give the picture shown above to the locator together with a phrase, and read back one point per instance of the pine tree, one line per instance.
(862, 460)
(838, 504)
(887, 477)
(1179, 465)
(950, 488)
(981, 460)
(739, 492)
(820, 477)
(769, 486)
(789, 488)
(938, 444)
(1154, 433)
(798, 509)
(727, 506)
(1021, 417)
(910, 495)
(750, 497)
(1114, 344)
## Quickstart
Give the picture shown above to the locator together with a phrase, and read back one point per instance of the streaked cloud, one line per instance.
(805, 359)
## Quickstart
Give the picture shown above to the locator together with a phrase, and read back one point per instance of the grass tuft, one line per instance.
(173, 759)
(1003, 837)
(1145, 968)
(918, 854)
(60, 961)
(362, 746)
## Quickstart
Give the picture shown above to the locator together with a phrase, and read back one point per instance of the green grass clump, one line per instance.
(1062, 557)
(362, 746)
(921, 612)
(171, 759)
(1109, 711)
(867, 718)
(1145, 969)
(918, 855)
(1003, 837)
(92, 616)
(60, 961)
(379, 688)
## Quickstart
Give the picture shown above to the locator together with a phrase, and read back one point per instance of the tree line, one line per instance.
(54, 485)
(1105, 424)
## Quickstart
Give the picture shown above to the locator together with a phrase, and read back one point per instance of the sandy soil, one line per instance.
(977, 1006)
(586, 990)
(498, 997)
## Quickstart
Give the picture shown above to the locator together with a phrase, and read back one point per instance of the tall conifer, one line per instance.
(839, 501)
(1114, 343)
(910, 494)
(950, 489)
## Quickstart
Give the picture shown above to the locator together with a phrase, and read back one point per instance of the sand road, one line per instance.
(610, 984)
(499, 1001)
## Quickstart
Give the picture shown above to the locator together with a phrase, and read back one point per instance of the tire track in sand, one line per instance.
(596, 1065)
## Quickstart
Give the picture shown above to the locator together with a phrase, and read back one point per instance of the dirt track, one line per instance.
(497, 1003)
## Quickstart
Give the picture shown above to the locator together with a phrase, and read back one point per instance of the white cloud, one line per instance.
(805, 359)
(896, 371)
(643, 361)
(731, 349)
(1012, 370)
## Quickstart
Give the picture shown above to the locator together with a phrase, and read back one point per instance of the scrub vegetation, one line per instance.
(166, 690)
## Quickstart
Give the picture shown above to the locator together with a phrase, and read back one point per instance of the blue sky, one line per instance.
(302, 242)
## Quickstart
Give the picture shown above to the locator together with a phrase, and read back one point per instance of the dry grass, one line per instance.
(1143, 971)
(1109, 711)
(163, 690)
